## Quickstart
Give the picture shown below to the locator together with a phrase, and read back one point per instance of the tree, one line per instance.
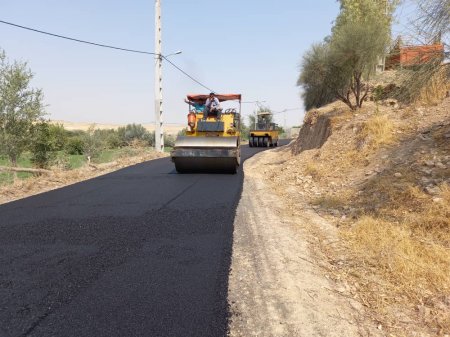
(135, 132)
(75, 145)
(251, 121)
(20, 107)
(434, 18)
(44, 145)
(92, 143)
(245, 130)
(355, 49)
(59, 134)
(364, 11)
(313, 76)
(340, 67)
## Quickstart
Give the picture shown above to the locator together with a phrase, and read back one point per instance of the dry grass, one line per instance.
(394, 266)
(436, 88)
(313, 170)
(377, 131)
(330, 202)
(414, 267)
(402, 240)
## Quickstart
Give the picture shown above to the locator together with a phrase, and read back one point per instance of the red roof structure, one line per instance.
(222, 97)
(407, 56)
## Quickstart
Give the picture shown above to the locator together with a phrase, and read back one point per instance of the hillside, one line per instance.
(379, 179)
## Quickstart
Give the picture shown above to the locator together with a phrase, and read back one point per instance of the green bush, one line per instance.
(75, 145)
(169, 140)
(59, 135)
(113, 141)
(43, 146)
(133, 133)
(93, 142)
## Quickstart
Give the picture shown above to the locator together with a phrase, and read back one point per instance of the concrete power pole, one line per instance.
(159, 131)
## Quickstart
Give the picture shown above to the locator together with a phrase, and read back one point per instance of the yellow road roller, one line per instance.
(265, 133)
(212, 140)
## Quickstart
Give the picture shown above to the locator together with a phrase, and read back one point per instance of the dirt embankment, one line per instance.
(314, 133)
(364, 196)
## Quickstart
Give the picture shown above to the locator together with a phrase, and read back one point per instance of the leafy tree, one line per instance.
(135, 132)
(92, 143)
(113, 140)
(245, 130)
(355, 49)
(43, 147)
(340, 67)
(75, 145)
(20, 107)
(59, 135)
(365, 11)
(251, 121)
(313, 77)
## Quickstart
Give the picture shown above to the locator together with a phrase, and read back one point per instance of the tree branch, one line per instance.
(24, 169)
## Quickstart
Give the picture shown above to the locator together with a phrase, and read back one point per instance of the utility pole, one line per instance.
(159, 131)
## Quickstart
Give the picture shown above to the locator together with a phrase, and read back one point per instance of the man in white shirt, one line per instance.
(212, 105)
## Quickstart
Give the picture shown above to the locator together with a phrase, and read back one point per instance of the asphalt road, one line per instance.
(143, 251)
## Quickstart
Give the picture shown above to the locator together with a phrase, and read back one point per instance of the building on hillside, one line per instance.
(402, 56)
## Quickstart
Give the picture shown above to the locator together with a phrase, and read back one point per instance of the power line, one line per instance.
(105, 46)
(185, 73)
(77, 40)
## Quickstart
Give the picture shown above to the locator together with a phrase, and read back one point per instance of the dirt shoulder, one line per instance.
(365, 197)
(280, 285)
(58, 178)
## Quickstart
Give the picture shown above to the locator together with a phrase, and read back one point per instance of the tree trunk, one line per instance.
(23, 169)
(14, 165)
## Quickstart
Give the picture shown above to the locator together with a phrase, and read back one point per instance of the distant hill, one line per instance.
(171, 129)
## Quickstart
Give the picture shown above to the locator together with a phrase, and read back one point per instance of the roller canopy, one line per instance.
(221, 97)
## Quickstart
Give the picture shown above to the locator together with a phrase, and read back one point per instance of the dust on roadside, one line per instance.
(59, 177)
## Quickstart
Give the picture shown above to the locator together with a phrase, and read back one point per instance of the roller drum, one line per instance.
(206, 154)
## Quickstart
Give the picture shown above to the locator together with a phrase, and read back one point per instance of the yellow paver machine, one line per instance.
(211, 144)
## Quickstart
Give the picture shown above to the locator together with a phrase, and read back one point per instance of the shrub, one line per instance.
(169, 140)
(135, 134)
(43, 146)
(75, 146)
(59, 135)
(93, 143)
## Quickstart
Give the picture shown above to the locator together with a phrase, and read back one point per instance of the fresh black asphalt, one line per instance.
(143, 251)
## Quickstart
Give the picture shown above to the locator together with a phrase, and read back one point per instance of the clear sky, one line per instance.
(252, 47)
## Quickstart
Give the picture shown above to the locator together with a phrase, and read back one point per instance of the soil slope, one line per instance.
(347, 229)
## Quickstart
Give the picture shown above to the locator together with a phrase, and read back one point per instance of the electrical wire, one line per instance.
(106, 46)
(77, 40)
(185, 73)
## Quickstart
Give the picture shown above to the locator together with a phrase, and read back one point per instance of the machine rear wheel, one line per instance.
(266, 141)
(250, 142)
(260, 141)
